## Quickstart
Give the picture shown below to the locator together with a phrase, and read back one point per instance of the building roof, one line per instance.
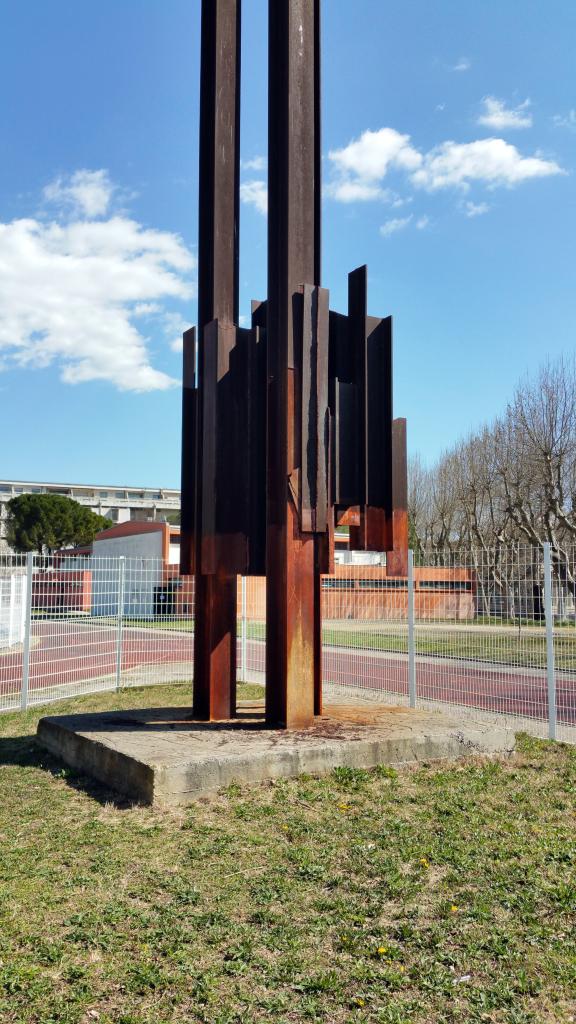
(133, 527)
(95, 487)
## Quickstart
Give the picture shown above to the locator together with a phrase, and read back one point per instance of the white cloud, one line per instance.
(370, 156)
(174, 326)
(71, 293)
(390, 227)
(398, 201)
(463, 64)
(492, 161)
(422, 222)
(500, 117)
(565, 120)
(475, 209)
(349, 191)
(256, 163)
(87, 193)
(361, 166)
(255, 193)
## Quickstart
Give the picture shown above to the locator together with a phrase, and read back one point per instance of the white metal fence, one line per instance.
(12, 608)
(490, 631)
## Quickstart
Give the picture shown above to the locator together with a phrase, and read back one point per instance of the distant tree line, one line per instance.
(512, 482)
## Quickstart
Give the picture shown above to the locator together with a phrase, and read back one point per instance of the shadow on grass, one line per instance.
(25, 752)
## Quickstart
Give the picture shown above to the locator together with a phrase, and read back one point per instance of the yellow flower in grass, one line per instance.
(453, 909)
(424, 862)
(359, 1001)
(343, 807)
(382, 950)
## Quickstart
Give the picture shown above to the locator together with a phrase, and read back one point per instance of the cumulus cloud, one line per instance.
(463, 64)
(76, 293)
(360, 168)
(256, 163)
(87, 193)
(422, 222)
(491, 161)
(173, 326)
(255, 193)
(348, 191)
(498, 116)
(565, 120)
(475, 209)
(390, 227)
(374, 153)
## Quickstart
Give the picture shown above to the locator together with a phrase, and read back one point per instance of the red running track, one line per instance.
(70, 653)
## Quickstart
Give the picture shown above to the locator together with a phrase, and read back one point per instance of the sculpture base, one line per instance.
(161, 756)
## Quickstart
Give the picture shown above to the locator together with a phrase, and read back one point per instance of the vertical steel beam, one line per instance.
(219, 188)
(293, 620)
(189, 455)
(397, 555)
(215, 594)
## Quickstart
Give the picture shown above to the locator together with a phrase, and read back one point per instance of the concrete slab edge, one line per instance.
(120, 772)
(182, 783)
(185, 781)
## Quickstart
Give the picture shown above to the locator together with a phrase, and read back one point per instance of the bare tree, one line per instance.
(512, 481)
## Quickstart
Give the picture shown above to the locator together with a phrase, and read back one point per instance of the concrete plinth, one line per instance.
(161, 756)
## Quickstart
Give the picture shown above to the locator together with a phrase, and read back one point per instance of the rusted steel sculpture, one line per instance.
(287, 425)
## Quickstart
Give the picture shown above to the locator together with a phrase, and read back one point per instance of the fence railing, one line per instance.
(492, 632)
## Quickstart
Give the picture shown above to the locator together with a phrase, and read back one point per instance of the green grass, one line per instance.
(434, 895)
(525, 647)
(501, 648)
(504, 648)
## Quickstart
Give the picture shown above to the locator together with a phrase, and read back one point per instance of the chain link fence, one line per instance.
(493, 631)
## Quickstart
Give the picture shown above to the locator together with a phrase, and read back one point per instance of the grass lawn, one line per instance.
(509, 647)
(505, 648)
(425, 896)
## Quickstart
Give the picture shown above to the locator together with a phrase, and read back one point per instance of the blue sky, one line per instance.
(449, 150)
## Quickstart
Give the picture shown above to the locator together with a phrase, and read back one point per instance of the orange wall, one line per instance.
(63, 591)
(365, 603)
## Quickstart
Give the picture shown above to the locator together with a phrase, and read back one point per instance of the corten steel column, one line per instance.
(293, 590)
(215, 594)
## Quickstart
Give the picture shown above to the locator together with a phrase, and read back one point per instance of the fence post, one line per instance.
(411, 637)
(27, 632)
(243, 630)
(549, 643)
(120, 617)
(13, 631)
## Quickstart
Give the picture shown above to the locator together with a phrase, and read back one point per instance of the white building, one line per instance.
(119, 504)
(151, 553)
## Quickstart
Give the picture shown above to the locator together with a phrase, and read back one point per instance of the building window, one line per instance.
(387, 583)
(445, 585)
